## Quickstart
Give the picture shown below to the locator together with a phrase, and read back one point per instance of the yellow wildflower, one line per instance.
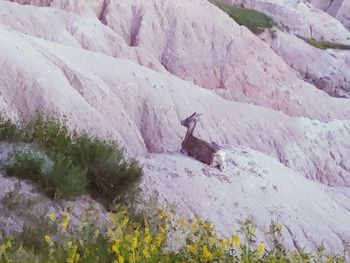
(261, 249)
(191, 249)
(115, 246)
(207, 225)
(52, 216)
(181, 221)
(5, 246)
(162, 214)
(153, 248)
(48, 239)
(120, 259)
(206, 253)
(125, 221)
(65, 221)
(72, 254)
(225, 244)
(148, 239)
(147, 231)
(134, 242)
(279, 227)
(212, 241)
(146, 253)
(235, 240)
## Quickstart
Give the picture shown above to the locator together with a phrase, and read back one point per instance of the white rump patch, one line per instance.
(219, 160)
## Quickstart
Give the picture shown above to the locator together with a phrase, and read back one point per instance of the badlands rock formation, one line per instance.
(328, 70)
(300, 18)
(133, 69)
(339, 9)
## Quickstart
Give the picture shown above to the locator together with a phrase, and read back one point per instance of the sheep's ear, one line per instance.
(198, 114)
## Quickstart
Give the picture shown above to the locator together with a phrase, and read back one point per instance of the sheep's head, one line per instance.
(191, 120)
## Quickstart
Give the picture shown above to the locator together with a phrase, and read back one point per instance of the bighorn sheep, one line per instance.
(203, 151)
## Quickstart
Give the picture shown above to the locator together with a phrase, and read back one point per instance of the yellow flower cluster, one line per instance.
(130, 243)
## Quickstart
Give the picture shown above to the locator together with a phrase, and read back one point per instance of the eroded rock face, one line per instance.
(79, 74)
(52, 78)
(218, 54)
(252, 185)
(300, 18)
(339, 9)
(326, 69)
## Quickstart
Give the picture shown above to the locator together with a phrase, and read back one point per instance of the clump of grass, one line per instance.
(322, 44)
(254, 20)
(81, 163)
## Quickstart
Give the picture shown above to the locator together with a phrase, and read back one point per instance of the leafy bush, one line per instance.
(24, 165)
(254, 20)
(321, 44)
(129, 242)
(61, 180)
(106, 167)
(50, 133)
(80, 162)
(65, 179)
(8, 130)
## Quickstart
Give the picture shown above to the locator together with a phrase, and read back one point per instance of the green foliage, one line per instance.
(24, 165)
(106, 167)
(321, 44)
(129, 242)
(50, 133)
(8, 130)
(80, 162)
(65, 179)
(254, 20)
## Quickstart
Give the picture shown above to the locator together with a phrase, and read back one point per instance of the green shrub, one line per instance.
(25, 165)
(50, 133)
(254, 20)
(8, 130)
(321, 44)
(65, 180)
(81, 162)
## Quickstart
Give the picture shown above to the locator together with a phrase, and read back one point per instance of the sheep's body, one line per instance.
(202, 151)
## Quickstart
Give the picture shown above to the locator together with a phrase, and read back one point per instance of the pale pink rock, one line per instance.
(68, 28)
(41, 75)
(300, 134)
(326, 69)
(339, 9)
(301, 18)
(253, 185)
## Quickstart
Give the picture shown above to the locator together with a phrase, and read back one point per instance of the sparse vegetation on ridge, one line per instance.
(68, 164)
(322, 44)
(254, 20)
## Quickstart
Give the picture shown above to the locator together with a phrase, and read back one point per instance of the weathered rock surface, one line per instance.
(217, 54)
(339, 9)
(97, 99)
(252, 185)
(301, 133)
(300, 18)
(329, 70)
